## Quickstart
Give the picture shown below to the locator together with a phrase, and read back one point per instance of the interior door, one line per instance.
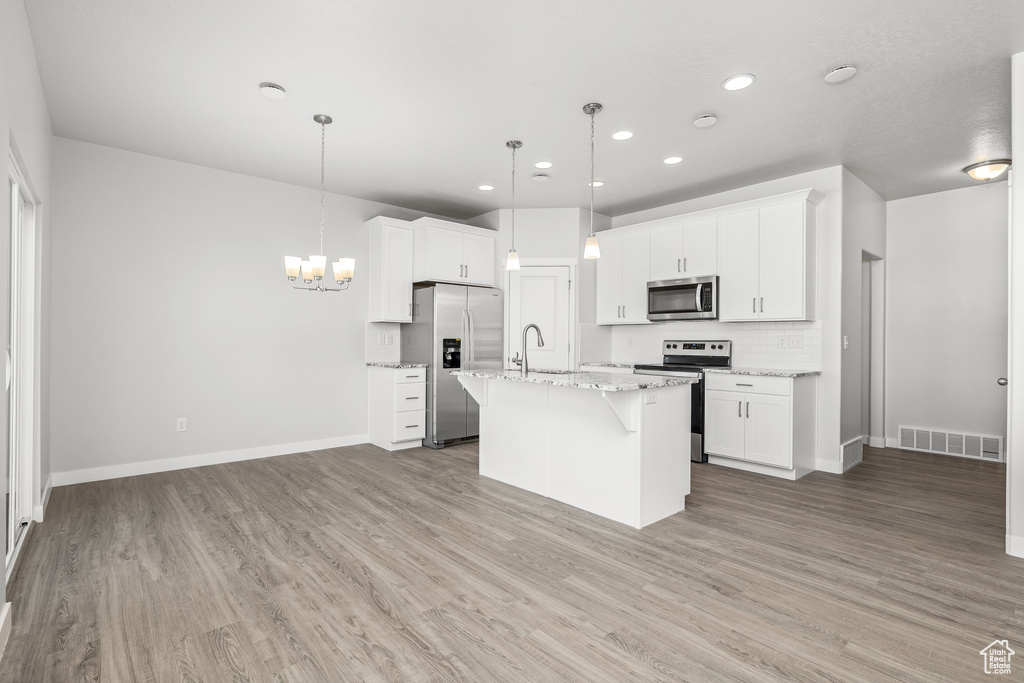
(541, 295)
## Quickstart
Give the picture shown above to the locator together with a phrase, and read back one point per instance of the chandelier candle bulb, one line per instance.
(292, 264)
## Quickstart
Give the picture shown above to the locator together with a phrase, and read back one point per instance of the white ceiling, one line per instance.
(425, 94)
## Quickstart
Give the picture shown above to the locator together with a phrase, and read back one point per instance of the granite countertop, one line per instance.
(396, 366)
(603, 364)
(763, 372)
(581, 380)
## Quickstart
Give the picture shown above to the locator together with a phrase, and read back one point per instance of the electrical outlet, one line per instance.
(796, 341)
(629, 341)
(650, 397)
(846, 342)
(782, 341)
(180, 424)
(390, 340)
(380, 340)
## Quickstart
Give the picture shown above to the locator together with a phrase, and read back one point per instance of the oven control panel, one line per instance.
(675, 347)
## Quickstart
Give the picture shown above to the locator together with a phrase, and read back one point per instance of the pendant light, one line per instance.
(513, 258)
(312, 270)
(592, 250)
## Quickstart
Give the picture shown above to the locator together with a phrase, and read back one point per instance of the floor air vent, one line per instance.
(950, 443)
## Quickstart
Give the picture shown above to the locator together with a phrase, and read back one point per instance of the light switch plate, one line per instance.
(650, 397)
(782, 341)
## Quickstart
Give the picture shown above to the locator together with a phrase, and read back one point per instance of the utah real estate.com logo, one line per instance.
(997, 657)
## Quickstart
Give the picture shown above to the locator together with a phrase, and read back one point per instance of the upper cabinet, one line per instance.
(766, 263)
(622, 274)
(390, 270)
(450, 252)
(686, 249)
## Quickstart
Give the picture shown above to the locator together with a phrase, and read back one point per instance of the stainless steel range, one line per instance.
(688, 359)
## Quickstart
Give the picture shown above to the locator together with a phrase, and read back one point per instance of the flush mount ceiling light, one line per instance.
(673, 160)
(738, 82)
(313, 269)
(513, 258)
(705, 121)
(272, 91)
(840, 74)
(592, 248)
(486, 188)
(543, 164)
(987, 170)
(622, 135)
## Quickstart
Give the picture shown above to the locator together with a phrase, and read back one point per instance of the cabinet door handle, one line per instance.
(684, 265)
(762, 304)
(411, 398)
(748, 408)
(753, 303)
(410, 426)
(739, 409)
(743, 385)
(467, 271)
(411, 376)
(410, 308)
(679, 267)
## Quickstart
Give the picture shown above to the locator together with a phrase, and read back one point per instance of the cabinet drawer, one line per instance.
(779, 386)
(410, 375)
(410, 396)
(410, 425)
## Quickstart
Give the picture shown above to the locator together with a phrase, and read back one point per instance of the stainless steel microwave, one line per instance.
(693, 298)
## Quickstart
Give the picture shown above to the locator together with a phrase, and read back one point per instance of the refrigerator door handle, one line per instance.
(466, 361)
(472, 340)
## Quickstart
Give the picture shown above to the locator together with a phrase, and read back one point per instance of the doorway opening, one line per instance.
(873, 350)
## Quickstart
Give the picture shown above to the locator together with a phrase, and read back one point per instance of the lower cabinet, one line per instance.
(397, 406)
(760, 421)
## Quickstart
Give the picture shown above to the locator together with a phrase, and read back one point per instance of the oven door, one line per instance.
(688, 299)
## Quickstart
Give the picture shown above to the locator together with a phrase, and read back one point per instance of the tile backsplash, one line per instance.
(753, 344)
(383, 353)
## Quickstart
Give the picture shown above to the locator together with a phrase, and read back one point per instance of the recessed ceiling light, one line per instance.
(543, 164)
(540, 177)
(673, 160)
(738, 82)
(840, 74)
(596, 183)
(705, 121)
(987, 170)
(622, 135)
(487, 188)
(272, 91)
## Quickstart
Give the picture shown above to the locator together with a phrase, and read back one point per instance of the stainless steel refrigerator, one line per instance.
(453, 327)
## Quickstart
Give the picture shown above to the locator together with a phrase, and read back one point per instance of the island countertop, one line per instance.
(581, 380)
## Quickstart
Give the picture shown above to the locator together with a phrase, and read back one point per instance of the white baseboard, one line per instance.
(5, 627)
(184, 462)
(876, 441)
(1015, 545)
(892, 442)
(39, 511)
(830, 466)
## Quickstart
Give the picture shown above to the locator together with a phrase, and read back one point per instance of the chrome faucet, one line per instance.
(540, 342)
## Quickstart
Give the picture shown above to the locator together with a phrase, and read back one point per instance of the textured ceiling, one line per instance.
(425, 94)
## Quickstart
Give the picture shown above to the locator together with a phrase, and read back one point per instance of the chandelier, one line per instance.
(312, 269)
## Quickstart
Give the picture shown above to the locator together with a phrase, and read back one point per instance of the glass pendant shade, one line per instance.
(292, 265)
(513, 260)
(592, 250)
(344, 269)
(307, 271)
(318, 262)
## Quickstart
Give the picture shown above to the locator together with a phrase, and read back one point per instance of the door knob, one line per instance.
(1002, 381)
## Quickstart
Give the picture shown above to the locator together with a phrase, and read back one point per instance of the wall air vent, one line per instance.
(960, 444)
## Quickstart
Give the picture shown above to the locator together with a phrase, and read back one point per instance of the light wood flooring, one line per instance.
(354, 564)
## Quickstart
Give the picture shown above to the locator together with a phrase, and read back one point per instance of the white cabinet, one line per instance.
(390, 270)
(761, 421)
(397, 406)
(688, 249)
(622, 274)
(449, 252)
(766, 263)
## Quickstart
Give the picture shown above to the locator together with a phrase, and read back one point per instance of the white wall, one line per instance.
(1015, 426)
(25, 123)
(863, 231)
(755, 338)
(194, 317)
(946, 310)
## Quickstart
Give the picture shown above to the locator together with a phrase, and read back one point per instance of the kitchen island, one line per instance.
(614, 445)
